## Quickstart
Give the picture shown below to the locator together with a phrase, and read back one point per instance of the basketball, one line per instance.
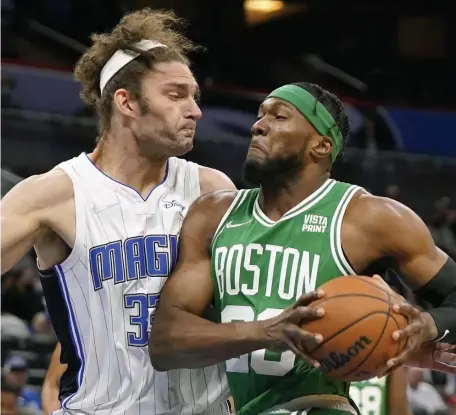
(357, 329)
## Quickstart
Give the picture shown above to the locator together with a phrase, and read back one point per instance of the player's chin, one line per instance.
(254, 170)
(256, 155)
(184, 143)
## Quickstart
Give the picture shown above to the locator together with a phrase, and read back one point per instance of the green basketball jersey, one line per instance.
(370, 396)
(260, 267)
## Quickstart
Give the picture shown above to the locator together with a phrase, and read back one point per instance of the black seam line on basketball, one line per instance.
(349, 295)
(388, 314)
(373, 347)
(368, 282)
(347, 327)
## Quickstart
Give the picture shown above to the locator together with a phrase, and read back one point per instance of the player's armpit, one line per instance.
(27, 209)
(212, 180)
(51, 385)
(180, 337)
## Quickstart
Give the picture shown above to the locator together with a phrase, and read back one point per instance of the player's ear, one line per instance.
(126, 104)
(322, 146)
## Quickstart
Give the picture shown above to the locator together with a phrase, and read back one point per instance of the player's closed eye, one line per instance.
(174, 95)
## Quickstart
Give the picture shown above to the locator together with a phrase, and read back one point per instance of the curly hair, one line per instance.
(333, 105)
(162, 26)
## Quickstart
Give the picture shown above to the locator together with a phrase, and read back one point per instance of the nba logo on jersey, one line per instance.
(125, 249)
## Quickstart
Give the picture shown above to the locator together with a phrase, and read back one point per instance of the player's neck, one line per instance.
(123, 162)
(276, 201)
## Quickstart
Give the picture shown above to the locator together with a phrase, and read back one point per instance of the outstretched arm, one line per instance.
(27, 210)
(180, 337)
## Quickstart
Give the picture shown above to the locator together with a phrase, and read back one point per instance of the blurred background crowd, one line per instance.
(393, 63)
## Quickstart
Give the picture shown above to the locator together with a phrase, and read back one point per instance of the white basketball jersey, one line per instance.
(125, 248)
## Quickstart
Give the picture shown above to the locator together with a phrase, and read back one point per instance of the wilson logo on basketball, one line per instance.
(336, 361)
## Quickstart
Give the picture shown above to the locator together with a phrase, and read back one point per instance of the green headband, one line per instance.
(313, 111)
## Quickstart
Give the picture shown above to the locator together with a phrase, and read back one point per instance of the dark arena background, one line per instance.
(393, 63)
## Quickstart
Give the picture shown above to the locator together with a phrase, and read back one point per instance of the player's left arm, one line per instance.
(401, 235)
(212, 180)
(397, 393)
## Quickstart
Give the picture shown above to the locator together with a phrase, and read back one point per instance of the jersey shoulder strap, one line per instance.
(239, 207)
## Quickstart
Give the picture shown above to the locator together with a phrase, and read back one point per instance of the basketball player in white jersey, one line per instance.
(105, 225)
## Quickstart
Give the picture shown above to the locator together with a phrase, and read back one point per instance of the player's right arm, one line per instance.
(181, 338)
(27, 211)
(51, 386)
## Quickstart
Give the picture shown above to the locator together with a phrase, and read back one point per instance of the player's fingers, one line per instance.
(308, 298)
(400, 359)
(386, 371)
(309, 360)
(444, 367)
(301, 315)
(385, 286)
(381, 282)
(408, 331)
(302, 355)
(407, 310)
(445, 346)
(305, 340)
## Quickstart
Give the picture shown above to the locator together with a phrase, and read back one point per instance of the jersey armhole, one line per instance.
(336, 229)
(80, 223)
(192, 186)
(242, 194)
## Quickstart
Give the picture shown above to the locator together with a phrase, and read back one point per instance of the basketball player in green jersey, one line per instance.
(253, 253)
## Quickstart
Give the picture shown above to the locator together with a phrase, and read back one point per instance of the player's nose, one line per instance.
(259, 128)
(194, 111)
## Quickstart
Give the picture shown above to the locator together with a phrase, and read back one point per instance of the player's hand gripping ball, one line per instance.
(357, 328)
(419, 350)
(285, 332)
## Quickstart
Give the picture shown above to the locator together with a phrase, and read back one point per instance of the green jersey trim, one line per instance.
(335, 232)
(237, 201)
(307, 203)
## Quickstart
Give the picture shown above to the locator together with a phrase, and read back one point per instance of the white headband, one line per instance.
(122, 57)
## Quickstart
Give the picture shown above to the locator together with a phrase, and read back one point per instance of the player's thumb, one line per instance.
(380, 281)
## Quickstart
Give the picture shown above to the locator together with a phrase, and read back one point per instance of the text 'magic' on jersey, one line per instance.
(138, 257)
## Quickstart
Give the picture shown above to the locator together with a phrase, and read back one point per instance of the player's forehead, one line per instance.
(274, 104)
(172, 75)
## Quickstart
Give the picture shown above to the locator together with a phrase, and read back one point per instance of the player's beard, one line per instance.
(273, 172)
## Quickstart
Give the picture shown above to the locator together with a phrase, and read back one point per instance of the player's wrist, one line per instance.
(259, 334)
(431, 326)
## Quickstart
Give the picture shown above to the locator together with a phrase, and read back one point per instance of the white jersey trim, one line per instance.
(336, 231)
(237, 201)
(79, 218)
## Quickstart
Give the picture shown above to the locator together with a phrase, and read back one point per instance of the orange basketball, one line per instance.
(357, 329)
